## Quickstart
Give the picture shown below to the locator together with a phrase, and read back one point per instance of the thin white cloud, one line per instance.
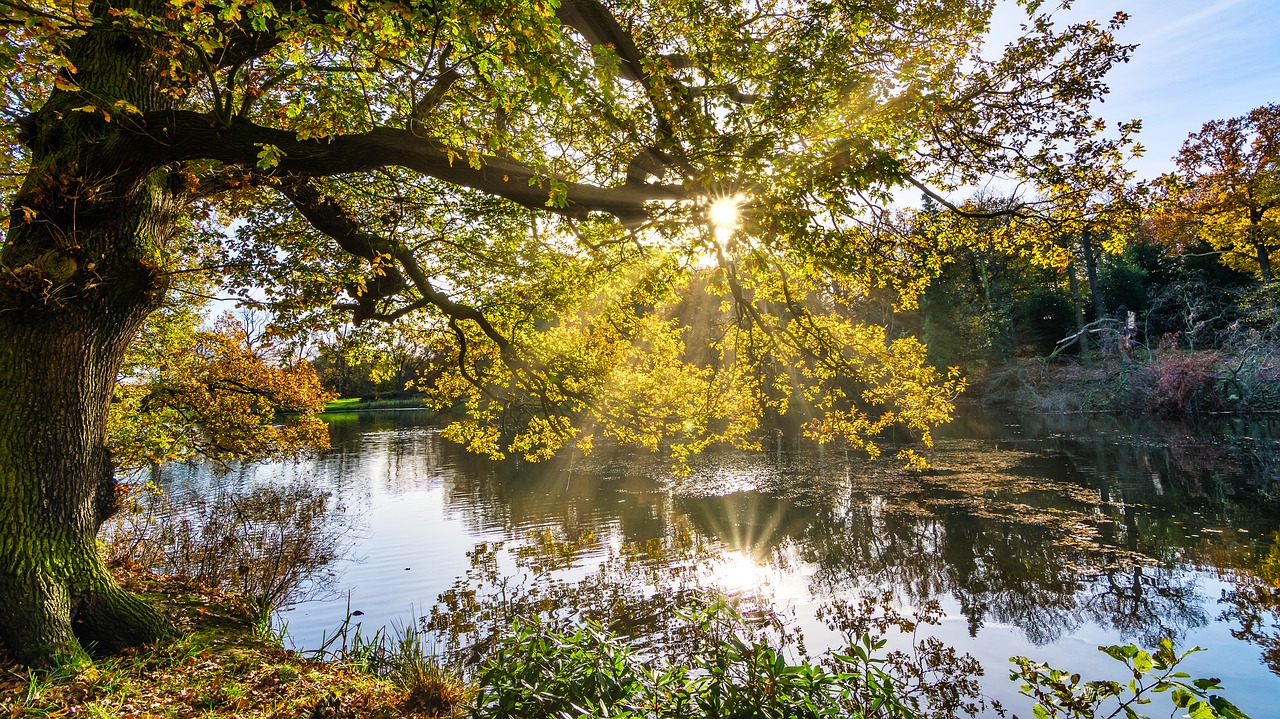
(1172, 29)
(1196, 61)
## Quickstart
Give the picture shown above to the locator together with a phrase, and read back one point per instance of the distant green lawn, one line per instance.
(353, 404)
(341, 404)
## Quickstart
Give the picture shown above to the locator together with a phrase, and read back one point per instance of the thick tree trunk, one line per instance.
(77, 279)
(57, 370)
(80, 269)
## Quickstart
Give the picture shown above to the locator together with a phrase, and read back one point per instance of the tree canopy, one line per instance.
(1228, 184)
(528, 183)
(427, 142)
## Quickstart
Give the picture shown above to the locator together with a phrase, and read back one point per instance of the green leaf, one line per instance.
(1225, 708)
(1119, 653)
(1207, 683)
(1182, 698)
(1142, 662)
(1202, 710)
(269, 155)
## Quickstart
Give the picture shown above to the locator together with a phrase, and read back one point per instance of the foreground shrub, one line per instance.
(538, 672)
(264, 543)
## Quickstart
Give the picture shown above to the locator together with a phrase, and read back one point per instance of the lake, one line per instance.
(1043, 536)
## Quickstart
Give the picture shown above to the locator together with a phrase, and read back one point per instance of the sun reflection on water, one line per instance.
(739, 572)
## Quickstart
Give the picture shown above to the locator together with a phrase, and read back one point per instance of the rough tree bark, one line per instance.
(80, 274)
(57, 370)
(81, 267)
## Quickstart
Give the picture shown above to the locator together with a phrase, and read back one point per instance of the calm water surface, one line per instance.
(1040, 535)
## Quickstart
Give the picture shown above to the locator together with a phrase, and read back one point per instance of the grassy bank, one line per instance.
(225, 665)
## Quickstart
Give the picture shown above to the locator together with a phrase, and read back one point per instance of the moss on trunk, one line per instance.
(57, 369)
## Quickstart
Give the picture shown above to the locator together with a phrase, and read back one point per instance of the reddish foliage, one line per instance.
(1183, 383)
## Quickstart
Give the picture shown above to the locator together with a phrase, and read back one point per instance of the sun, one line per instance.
(724, 213)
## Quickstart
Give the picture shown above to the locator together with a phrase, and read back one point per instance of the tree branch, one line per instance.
(599, 27)
(180, 135)
(327, 216)
(433, 97)
(1014, 211)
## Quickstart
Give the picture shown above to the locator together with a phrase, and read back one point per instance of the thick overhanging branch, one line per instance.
(330, 218)
(180, 135)
(600, 28)
(236, 141)
(334, 220)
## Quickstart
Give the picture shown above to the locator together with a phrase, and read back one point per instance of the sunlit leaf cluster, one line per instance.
(221, 393)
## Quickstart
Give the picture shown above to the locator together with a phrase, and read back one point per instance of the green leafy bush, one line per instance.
(539, 671)
(1061, 694)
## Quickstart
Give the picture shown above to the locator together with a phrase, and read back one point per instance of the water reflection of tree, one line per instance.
(609, 491)
(1186, 493)
(1253, 603)
(639, 590)
(1029, 575)
(1046, 523)
(1215, 458)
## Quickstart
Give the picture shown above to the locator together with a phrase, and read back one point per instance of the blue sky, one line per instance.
(1197, 60)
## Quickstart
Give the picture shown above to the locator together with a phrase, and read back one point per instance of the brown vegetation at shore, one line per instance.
(1166, 383)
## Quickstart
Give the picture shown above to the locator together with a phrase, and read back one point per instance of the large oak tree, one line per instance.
(527, 178)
